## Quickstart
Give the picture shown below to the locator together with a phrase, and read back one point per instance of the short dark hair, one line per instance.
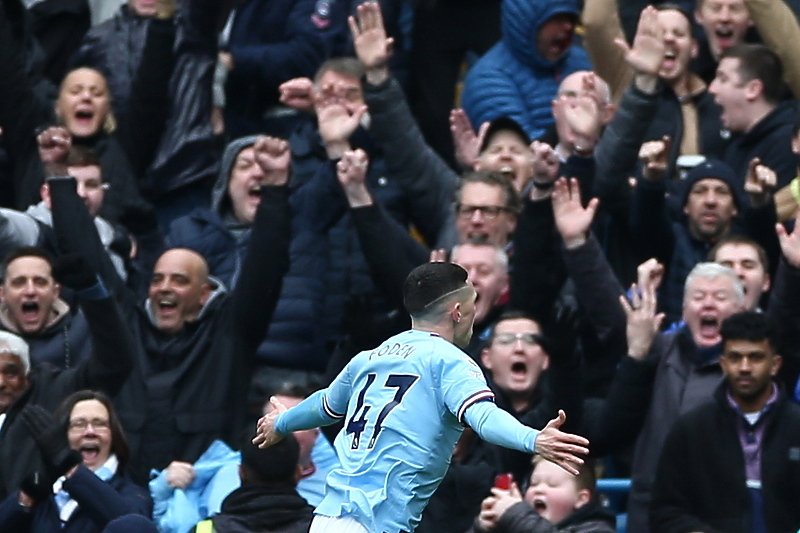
(759, 62)
(739, 239)
(292, 389)
(26, 251)
(672, 6)
(512, 314)
(429, 282)
(82, 156)
(119, 443)
(347, 66)
(750, 326)
(512, 201)
(274, 464)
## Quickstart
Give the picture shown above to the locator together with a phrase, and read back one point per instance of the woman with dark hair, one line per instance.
(83, 484)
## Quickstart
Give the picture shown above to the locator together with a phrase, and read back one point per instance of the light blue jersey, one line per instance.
(403, 405)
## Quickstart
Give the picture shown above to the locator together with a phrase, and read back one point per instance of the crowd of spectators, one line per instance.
(204, 203)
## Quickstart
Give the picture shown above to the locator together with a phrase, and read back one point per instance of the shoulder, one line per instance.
(497, 62)
(198, 220)
(699, 418)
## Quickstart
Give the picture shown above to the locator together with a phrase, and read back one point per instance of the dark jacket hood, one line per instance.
(521, 20)
(219, 194)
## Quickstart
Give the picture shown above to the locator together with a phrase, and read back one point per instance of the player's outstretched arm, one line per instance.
(497, 426)
(312, 412)
(563, 449)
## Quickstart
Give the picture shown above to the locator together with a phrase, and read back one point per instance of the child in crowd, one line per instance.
(555, 501)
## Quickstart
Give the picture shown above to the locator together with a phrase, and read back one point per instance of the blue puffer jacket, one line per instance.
(294, 339)
(512, 79)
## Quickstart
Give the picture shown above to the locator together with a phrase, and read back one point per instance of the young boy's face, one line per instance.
(553, 492)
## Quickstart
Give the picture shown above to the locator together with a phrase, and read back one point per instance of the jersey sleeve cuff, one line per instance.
(480, 396)
(330, 412)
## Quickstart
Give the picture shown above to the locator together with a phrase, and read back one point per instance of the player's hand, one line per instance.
(180, 474)
(572, 219)
(266, 435)
(273, 156)
(563, 449)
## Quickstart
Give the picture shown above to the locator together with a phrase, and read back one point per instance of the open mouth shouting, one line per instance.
(670, 59)
(725, 37)
(709, 327)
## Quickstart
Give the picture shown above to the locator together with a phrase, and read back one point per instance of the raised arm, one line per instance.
(628, 400)
(650, 225)
(537, 271)
(390, 250)
(602, 29)
(777, 25)
(140, 133)
(596, 287)
(425, 178)
(113, 346)
(17, 229)
(20, 113)
(73, 226)
(784, 305)
(101, 501)
(267, 260)
(619, 145)
(497, 426)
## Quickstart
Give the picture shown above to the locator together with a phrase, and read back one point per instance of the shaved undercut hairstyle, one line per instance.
(430, 282)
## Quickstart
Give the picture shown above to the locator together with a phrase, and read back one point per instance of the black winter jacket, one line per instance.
(701, 485)
(189, 389)
(263, 508)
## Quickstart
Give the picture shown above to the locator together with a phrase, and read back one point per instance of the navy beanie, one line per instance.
(712, 169)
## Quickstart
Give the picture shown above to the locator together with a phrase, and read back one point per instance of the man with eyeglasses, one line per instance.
(486, 208)
(517, 364)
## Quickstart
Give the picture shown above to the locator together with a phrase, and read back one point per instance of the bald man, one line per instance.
(196, 341)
